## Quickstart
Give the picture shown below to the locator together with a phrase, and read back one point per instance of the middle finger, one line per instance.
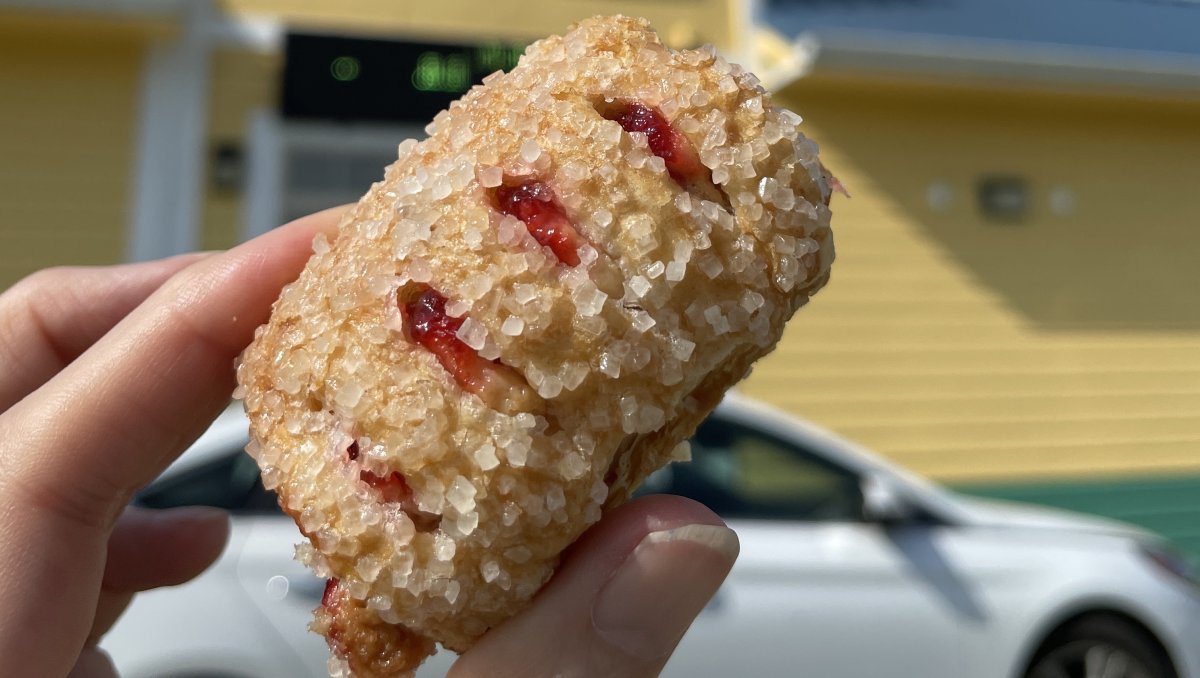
(149, 548)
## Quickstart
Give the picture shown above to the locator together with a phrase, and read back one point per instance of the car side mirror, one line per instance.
(883, 501)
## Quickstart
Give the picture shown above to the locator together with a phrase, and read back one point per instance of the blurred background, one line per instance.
(1013, 309)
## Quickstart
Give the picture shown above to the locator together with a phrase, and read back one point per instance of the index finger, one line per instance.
(51, 317)
(115, 417)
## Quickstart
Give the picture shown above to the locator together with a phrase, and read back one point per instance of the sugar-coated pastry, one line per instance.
(529, 314)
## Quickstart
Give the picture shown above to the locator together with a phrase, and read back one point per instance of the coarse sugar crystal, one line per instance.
(642, 321)
(531, 151)
(555, 499)
(472, 333)
(461, 494)
(513, 326)
(639, 286)
(589, 300)
(490, 569)
(490, 176)
(676, 271)
(485, 457)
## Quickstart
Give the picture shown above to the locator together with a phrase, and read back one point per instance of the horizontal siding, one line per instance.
(849, 390)
(1013, 460)
(1068, 345)
(67, 128)
(988, 356)
(941, 410)
(1169, 506)
(1034, 437)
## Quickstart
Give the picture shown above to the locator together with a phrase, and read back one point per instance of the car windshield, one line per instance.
(740, 472)
(230, 482)
(736, 470)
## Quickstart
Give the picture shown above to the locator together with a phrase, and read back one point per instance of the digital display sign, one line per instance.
(358, 79)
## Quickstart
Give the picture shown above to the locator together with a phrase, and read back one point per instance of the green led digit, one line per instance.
(428, 74)
(457, 74)
(345, 68)
(511, 56)
(491, 57)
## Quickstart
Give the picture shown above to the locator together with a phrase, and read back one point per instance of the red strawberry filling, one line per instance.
(432, 328)
(329, 598)
(835, 186)
(393, 489)
(678, 153)
(533, 203)
(500, 386)
(683, 163)
(330, 601)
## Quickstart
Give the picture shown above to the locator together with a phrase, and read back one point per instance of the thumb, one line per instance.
(621, 600)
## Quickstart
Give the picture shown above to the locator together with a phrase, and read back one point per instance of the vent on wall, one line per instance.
(1003, 199)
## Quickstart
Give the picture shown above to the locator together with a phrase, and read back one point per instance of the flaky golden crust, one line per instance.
(679, 288)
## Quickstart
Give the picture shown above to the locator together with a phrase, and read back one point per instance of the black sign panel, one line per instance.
(354, 79)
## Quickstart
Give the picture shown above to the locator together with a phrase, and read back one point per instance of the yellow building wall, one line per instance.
(975, 351)
(687, 24)
(67, 130)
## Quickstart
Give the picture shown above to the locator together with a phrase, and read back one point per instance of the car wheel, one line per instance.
(1100, 647)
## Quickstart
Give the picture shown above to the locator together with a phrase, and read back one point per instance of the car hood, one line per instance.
(998, 513)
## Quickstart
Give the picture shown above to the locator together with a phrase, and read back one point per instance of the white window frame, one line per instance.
(270, 138)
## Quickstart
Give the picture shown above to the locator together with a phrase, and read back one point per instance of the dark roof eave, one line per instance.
(844, 50)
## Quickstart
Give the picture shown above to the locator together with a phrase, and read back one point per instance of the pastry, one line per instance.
(531, 312)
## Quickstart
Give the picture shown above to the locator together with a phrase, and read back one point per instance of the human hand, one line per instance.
(109, 373)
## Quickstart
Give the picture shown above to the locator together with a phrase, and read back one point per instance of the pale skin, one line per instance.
(107, 374)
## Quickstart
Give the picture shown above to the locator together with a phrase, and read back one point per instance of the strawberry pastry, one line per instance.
(530, 313)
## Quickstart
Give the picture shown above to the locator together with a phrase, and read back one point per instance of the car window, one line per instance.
(740, 472)
(230, 482)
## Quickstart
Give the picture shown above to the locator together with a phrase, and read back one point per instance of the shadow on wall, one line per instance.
(1109, 236)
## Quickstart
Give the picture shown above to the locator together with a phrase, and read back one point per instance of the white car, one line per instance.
(850, 568)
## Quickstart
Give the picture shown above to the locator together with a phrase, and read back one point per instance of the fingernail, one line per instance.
(663, 584)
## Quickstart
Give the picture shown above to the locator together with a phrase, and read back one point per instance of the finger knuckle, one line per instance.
(45, 280)
(91, 505)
